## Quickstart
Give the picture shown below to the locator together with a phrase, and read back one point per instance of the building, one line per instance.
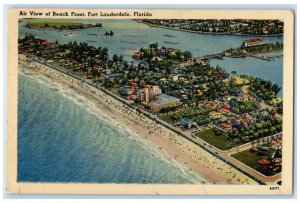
(264, 162)
(253, 149)
(186, 123)
(164, 101)
(156, 90)
(215, 114)
(253, 42)
(133, 84)
(137, 55)
(233, 102)
(174, 77)
(149, 92)
(44, 42)
(226, 126)
(141, 94)
(125, 90)
(266, 29)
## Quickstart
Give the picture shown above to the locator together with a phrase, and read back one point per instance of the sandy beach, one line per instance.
(178, 149)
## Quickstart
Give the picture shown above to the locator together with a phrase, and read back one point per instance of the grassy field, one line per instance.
(217, 141)
(52, 23)
(251, 158)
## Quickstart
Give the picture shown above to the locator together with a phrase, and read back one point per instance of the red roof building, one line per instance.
(225, 109)
(253, 42)
(44, 42)
(137, 55)
(253, 149)
(276, 143)
(226, 125)
(264, 162)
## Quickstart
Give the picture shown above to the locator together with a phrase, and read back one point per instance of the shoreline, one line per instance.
(185, 153)
(210, 33)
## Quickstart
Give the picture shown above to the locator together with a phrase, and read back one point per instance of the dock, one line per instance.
(267, 58)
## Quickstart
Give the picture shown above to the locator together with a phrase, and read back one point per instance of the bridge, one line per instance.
(210, 56)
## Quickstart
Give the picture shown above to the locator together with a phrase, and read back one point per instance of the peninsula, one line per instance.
(59, 24)
(202, 116)
(216, 26)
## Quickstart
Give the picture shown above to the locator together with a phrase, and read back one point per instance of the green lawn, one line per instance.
(168, 116)
(251, 158)
(217, 141)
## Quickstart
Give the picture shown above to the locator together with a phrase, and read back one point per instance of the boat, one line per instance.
(168, 42)
(92, 34)
(167, 35)
(111, 33)
(67, 34)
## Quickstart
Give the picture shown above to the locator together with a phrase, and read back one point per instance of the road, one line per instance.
(227, 156)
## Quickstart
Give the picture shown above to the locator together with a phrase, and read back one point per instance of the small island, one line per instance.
(59, 25)
(255, 47)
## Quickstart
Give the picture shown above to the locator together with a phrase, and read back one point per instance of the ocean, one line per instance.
(62, 139)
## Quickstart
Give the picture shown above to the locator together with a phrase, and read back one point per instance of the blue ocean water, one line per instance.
(61, 139)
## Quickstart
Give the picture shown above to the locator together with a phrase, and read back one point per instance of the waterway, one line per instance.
(129, 36)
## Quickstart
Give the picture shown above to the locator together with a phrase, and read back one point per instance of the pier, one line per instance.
(220, 56)
(267, 58)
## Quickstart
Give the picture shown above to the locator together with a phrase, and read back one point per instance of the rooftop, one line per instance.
(163, 98)
(253, 40)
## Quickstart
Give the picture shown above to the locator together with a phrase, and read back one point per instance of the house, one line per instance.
(186, 123)
(253, 149)
(184, 96)
(232, 102)
(133, 84)
(264, 148)
(125, 90)
(215, 114)
(111, 77)
(235, 122)
(174, 77)
(253, 42)
(211, 105)
(266, 29)
(277, 161)
(170, 49)
(225, 109)
(44, 42)
(276, 143)
(156, 58)
(245, 97)
(264, 162)
(226, 126)
(137, 55)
